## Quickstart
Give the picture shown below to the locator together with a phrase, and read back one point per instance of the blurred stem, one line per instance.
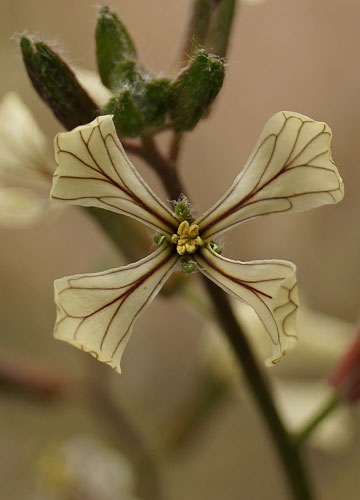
(175, 146)
(323, 412)
(30, 379)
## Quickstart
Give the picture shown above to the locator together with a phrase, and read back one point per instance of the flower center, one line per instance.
(187, 238)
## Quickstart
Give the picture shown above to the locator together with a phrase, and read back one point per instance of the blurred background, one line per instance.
(284, 55)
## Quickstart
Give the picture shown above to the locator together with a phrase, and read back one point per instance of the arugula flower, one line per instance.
(26, 162)
(290, 170)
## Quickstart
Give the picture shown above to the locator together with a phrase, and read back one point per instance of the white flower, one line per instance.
(26, 161)
(290, 170)
(300, 382)
(26, 165)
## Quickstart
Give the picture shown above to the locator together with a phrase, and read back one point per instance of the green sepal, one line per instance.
(215, 247)
(128, 119)
(127, 73)
(57, 84)
(113, 45)
(220, 27)
(195, 89)
(159, 239)
(188, 265)
(182, 210)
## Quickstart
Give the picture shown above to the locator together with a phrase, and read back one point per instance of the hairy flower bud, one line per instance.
(113, 46)
(195, 89)
(128, 119)
(155, 101)
(57, 85)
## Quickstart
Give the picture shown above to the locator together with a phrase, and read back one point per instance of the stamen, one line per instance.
(187, 239)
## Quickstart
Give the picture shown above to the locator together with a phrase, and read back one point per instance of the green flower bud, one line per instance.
(113, 45)
(195, 89)
(57, 85)
(155, 101)
(128, 119)
(220, 27)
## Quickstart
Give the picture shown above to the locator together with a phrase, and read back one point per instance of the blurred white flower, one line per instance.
(300, 381)
(26, 165)
(26, 159)
(83, 468)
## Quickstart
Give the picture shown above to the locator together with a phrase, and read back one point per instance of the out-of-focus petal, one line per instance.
(22, 207)
(290, 170)
(96, 312)
(24, 152)
(268, 286)
(93, 85)
(95, 171)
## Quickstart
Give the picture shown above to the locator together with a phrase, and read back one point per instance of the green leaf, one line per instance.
(57, 85)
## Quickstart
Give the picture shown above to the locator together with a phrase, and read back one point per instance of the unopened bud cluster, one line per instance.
(140, 101)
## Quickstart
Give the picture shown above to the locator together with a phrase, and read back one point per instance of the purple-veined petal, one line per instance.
(93, 170)
(96, 312)
(290, 170)
(268, 286)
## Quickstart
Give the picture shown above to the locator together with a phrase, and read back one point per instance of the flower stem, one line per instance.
(288, 450)
(328, 407)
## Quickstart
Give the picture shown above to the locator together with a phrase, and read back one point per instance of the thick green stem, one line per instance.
(329, 406)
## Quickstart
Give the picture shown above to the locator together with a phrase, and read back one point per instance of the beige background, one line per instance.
(285, 55)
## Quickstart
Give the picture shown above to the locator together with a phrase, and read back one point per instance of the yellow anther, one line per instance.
(175, 238)
(198, 241)
(183, 228)
(190, 247)
(181, 249)
(193, 230)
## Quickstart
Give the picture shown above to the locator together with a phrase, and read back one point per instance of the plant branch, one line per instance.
(288, 451)
(328, 407)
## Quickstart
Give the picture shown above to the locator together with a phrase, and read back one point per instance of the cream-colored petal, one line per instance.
(268, 286)
(93, 85)
(96, 312)
(93, 170)
(290, 170)
(24, 152)
(22, 207)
